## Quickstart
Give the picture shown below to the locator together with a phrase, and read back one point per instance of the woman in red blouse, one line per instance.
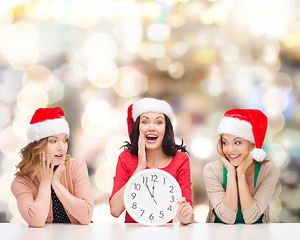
(152, 146)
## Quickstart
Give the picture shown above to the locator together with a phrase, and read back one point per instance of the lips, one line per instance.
(151, 137)
(58, 156)
(234, 156)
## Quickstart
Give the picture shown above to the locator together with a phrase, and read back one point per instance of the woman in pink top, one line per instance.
(50, 186)
(152, 146)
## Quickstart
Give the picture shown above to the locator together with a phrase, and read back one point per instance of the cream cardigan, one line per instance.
(76, 181)
(263, 192)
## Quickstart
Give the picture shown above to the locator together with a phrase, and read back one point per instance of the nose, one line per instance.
(230, 148)
(60, 146)
(151, 126)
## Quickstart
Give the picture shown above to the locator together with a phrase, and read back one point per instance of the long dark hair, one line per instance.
(169, 146)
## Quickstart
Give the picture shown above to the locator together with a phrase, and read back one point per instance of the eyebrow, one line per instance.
(57, 137)
(233, 139)
(155, 118)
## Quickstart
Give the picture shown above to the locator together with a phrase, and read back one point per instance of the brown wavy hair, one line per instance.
(30, 155)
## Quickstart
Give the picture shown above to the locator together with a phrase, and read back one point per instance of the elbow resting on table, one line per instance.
(115, 212)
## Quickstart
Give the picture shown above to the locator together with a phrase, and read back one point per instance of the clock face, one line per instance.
(151, 197)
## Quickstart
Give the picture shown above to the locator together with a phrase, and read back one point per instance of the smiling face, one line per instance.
(235, 148)
(57, 147)
(153, 126)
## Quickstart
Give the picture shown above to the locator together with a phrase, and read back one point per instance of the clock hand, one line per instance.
(150, 193)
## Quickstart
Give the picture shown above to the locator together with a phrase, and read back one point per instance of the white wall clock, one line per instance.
(151, 196)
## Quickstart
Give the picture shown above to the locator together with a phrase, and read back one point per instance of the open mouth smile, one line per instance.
(151, 138)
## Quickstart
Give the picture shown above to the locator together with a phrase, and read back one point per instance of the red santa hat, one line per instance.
(249, 124)
(147, 105)
(46, 122)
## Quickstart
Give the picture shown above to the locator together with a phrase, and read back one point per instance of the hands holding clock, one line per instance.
(160, 205)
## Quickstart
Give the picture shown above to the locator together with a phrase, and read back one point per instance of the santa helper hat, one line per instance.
(249, 124)
(47, 122)
(147, 105)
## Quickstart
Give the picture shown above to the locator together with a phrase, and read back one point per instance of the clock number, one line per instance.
(137, 186)
(164, 181)
(133, 195)
(172, 198)
(142, 212)
(170, 208)
(145, 180)
(171, 187)
(134, 205)
(161, 214)
(154, 178)
(151, 217)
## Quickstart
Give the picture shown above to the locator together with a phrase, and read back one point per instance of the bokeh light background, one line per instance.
(94, 58)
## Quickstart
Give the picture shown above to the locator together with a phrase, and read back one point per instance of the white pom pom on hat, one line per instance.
(249, 124)
(46, 122)
(147, 105)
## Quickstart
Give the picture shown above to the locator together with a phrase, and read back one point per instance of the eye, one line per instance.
(144, 122)
(238, 143)
(66, 140)
(224, 143)
(52, 141)
(159, 122)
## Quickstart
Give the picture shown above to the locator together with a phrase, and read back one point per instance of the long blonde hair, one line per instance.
(30, 155)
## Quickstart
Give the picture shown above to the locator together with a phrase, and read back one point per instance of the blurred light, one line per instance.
(200, 213)
(176, 20)
(176, 70)
(179, 49)
(206, 56)
(158, 32)
(277, 154)
(275, 207)
(130, 83)
(151, 9)
(276, 122)
(229, 53)
(5, 116)
(20, 124)
(283, 81)
(102, 74)
(163, 63)
(275, 100)
(56, 92)
(40, 10)
(215, 84)
(6, 15)
(82, 13)
(31, 97)
(20, 56)
(97, 110)
(113, 147)
(292, 40)
(100, 46)
(105, 174)
(155, 50)
(5, 179)
(10, 144)
(202, 147)
(128, 33)
(40, 75)
(71, 74)
(96, 120)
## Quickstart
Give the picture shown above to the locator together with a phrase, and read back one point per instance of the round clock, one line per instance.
(151, 196)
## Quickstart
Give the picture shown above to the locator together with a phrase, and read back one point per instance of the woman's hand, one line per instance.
(229, 167)
(45, 173)
(241, 170)
(142, 152)
(59, 172)
(185, 212)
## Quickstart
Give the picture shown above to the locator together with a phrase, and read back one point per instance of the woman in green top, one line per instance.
(235, 193)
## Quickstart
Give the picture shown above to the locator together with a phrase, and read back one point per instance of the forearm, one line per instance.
(43, 196)
(116, 203)
(245, 196)
(231, 195)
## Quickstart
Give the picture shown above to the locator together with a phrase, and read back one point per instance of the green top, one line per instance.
(239, 215)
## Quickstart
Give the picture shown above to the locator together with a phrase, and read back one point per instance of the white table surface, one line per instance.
(174, 231)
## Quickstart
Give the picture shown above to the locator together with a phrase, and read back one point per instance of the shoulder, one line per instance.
(126, 156)
(75, 164)
(181, 156)
(213, 168)
(270, 168)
